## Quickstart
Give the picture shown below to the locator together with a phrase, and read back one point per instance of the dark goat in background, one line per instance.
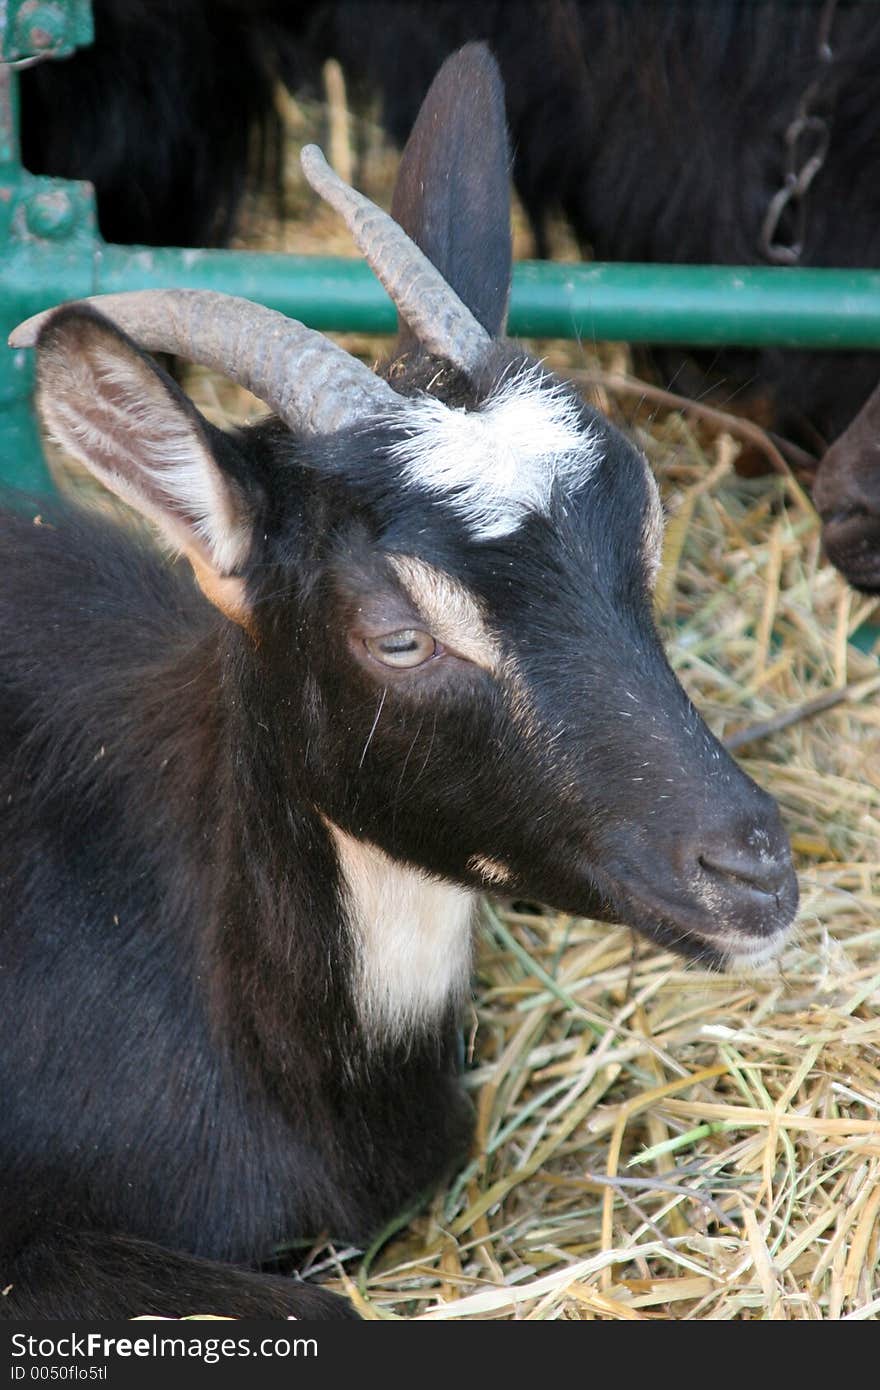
(242, 830)
(170, 113)
(657, 130)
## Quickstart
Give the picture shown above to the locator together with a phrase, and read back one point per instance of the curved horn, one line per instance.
(433, 311)
(313, 384)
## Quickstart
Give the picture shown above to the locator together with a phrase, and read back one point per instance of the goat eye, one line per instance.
(410, 647)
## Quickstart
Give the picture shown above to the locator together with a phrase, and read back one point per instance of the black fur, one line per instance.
(192, 974)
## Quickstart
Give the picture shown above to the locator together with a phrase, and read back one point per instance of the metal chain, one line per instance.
(806, 141)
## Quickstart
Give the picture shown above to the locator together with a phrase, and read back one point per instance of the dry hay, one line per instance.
(653, 1141)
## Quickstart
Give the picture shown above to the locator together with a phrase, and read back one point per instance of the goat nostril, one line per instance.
(763, 873)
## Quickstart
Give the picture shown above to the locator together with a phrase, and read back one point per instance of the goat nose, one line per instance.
(754, 867)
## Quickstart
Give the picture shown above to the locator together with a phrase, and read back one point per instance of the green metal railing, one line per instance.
(50, 251)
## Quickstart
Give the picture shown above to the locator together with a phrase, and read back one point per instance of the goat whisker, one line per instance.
(375, 725)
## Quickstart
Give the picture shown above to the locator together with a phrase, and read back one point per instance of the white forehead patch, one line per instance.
(497, 464)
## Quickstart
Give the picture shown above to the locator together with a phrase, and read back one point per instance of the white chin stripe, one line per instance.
(497, 464)
(756, 959)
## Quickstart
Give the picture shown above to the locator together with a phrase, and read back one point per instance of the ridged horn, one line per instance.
(433, 311)
(315, 386)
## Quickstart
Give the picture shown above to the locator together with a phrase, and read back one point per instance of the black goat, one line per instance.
(241, 838)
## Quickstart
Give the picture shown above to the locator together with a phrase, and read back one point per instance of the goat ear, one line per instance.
(452, 195)
(112, 408)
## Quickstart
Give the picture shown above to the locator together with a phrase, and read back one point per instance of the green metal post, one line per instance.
(705, 306)
(709, 306)
(44, 223)
(22, 458)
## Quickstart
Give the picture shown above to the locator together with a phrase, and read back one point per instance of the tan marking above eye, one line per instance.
(450, 610)
(404, 649)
